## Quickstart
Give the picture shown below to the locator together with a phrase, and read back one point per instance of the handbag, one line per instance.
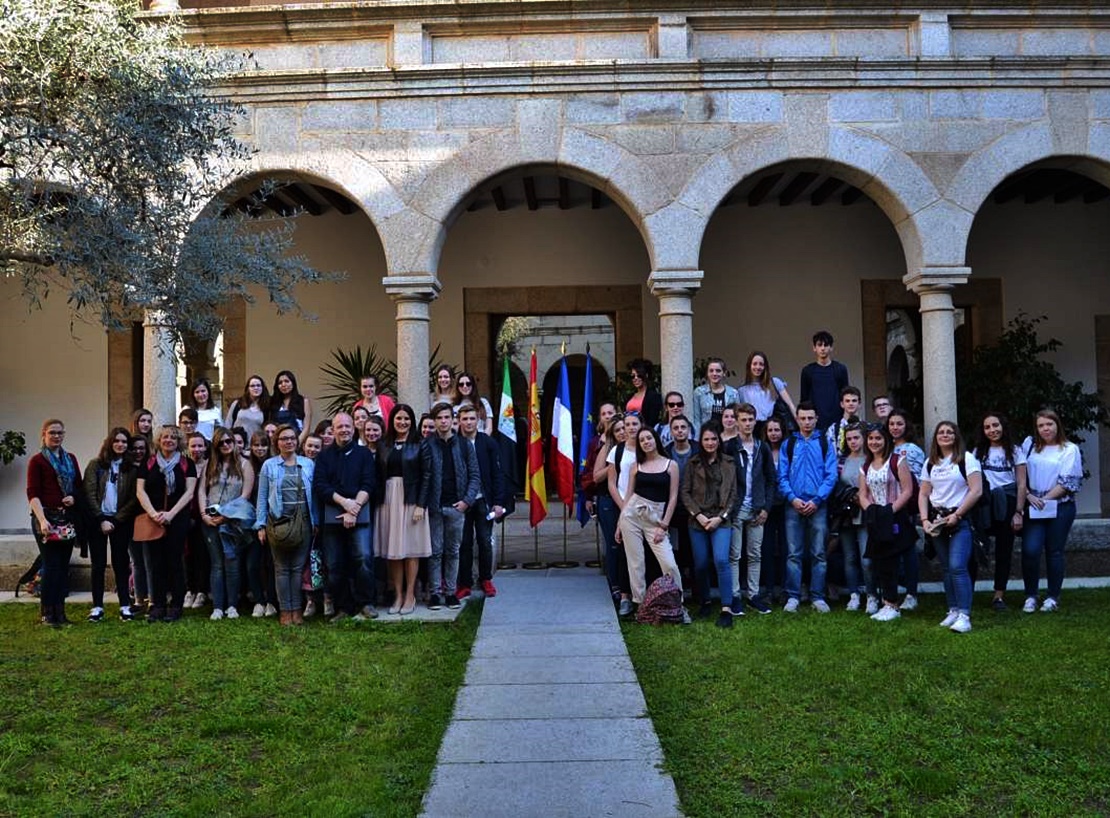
(288, 532)
(146, 530)
(61, 529)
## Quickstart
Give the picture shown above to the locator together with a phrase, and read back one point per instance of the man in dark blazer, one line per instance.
(491, 501)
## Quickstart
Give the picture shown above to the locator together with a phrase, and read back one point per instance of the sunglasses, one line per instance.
(675, 405)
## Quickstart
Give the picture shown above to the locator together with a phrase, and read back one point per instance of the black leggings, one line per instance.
(99, 543)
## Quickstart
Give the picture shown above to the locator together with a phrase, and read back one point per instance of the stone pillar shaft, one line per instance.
(413, 296)
(675, 290)
(159, 368)
(938, 341)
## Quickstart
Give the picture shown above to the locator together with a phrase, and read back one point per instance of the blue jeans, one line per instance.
(954, 550)
(349, 557)
(260, 572)
(719, 541)
(773, 573)
(853, 542)
(1050, 537)
(910, 563)
(223, 554)
(288, 567)
(443, 567)
(804, 533)
(54, 572)
(607, 515)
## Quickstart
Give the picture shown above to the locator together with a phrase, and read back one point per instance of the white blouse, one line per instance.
(1054, 466)
(949, 488)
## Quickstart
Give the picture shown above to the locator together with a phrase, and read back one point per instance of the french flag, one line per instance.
(562, 439)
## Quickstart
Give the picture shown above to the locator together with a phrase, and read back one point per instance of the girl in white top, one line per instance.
(208, 413)
(617, 478)
(1055, 476)
(761, 389)
(879, 486)
(951, 484)
(1003, 465)
(901, 431)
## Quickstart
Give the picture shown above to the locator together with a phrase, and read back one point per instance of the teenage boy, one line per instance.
(849, 406)
(807, 474)
(881, 407)
(680, 449)
(478, 527)
(823, 379)
(673, 404)
(755, 491)
(455, 487)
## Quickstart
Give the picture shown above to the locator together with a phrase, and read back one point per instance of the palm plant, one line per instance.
(348, 368)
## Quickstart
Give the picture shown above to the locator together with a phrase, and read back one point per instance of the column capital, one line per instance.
(675, 282)
(412, 287)
(932, 279)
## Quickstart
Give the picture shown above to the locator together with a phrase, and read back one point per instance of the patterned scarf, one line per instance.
(169, 470)
(63, 467)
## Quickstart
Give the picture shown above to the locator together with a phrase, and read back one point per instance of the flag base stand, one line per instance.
(535, 564)
(596, 563)
(564, 564)
(506, 566)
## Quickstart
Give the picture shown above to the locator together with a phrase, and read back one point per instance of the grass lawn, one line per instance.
(838, 715)
(223, 718)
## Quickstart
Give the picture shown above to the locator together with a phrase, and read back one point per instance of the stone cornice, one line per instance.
(671, 75)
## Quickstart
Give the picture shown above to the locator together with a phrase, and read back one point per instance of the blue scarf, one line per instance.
(62, 464)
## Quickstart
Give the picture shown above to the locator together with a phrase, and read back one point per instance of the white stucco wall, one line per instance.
(49, 369)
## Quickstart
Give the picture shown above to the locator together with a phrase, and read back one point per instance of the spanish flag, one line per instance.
(535, 490)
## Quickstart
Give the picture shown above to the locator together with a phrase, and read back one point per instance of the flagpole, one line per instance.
(564, 562)
(535, 564)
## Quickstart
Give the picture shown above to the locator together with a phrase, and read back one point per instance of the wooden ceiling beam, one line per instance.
(796, 188)
(762, 188)
(530, 193)
(825, 191)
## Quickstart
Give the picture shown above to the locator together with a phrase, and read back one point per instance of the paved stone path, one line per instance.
(550, 720)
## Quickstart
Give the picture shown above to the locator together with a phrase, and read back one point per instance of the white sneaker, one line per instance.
(189, 599)
(821, 606)
(259, 611)
(310, 609)
(962, 624)
(200, 599)
(909, 603)
(853, 602)
(232, 613)
(872, 605)
(1030, 605)
(329, 608)
(270, 610)
(1049, 605)
(791, 605)
(950, 620)
(217, 614)
(887, 613)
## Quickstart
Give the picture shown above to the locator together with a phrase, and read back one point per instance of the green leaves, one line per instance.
(114, 153)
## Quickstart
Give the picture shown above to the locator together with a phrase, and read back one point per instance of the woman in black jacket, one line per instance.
(402, 534)
(110, 491)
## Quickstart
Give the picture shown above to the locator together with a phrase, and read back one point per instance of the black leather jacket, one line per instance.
(416, 471)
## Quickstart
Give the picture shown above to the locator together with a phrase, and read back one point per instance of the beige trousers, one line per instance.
(638, 524)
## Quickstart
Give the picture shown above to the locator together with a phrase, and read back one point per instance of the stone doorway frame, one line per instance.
(980, 297)
(484, 307)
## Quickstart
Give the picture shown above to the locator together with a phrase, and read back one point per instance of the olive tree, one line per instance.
(114, 150)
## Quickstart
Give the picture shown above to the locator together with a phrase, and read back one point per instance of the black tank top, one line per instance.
(653, 486)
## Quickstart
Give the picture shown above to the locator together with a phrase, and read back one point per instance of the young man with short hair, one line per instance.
(822, 381)
(478, 526)
(673, 405)
(807, 474)
(455, 486)
(680, 450)
(755, 491)
(881, 407)
(849, 407)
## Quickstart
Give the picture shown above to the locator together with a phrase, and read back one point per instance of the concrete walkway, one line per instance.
(550, 720)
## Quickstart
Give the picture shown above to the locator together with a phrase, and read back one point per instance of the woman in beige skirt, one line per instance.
(402, 534)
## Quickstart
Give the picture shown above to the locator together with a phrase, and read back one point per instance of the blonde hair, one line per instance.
(174, 431)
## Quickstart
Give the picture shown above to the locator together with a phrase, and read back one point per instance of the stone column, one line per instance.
(675, 290)
(159, 368)
(412, 294)
(933, 287)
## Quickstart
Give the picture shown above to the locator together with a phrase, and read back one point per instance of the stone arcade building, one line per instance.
(714, 177)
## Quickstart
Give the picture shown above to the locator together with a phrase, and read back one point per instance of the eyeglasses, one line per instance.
(678, 405)
(56, 434)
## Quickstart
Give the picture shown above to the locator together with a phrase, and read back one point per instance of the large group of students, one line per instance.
(258, 509)
(783, 502)
(790, 502)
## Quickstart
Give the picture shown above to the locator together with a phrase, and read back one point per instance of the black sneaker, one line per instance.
(705, 610)
(435, 602)
(737, 606)
(453, 602)
(126, 614)
(759, 606)
(998, 604)
(724, 620)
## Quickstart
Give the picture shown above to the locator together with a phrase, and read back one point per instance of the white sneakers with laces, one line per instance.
(853, 603)
(962, 624)
(950, 620)
(1030, 605)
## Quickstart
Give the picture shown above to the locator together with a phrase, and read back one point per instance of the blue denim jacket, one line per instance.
(269, 487)
(702, 408)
